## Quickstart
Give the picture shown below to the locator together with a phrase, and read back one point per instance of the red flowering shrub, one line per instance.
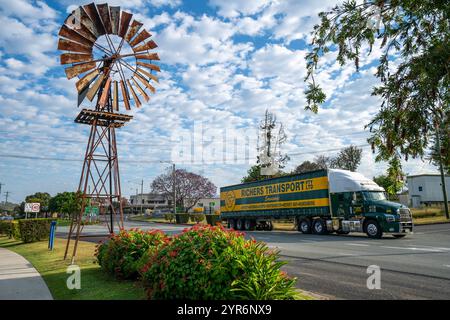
(206, 262)
(120, 255)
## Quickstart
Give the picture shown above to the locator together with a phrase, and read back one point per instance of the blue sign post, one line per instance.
(51, 238)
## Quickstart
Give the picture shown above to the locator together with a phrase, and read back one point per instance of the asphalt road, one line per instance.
(415, 267)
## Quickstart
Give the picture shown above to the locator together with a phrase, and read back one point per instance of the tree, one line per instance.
(39, 197)
(348, 158)
(440, 152)
(415, 90)
(307, 166)
(393, 180)
(66, 202)
(323, 161)
(253, 174)
(190, 187)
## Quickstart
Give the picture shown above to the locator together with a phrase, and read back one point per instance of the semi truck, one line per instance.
(319, 202)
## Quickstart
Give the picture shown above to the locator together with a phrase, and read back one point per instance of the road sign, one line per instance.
(32, 207)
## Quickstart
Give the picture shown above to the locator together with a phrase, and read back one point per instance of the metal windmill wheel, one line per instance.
(110, 53)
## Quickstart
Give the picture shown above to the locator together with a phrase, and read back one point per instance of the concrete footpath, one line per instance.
(19, 280)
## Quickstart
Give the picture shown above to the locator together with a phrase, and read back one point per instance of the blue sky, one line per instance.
(223, 63)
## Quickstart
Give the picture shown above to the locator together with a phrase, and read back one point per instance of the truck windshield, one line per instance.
(374, 195)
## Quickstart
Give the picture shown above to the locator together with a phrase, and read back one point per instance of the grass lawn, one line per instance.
(428, 215)
(95, 284)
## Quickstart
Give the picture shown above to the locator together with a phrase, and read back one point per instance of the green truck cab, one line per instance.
(320, 202)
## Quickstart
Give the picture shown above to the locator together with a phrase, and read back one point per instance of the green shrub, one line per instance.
(120, 255)
(182, 217)
(213, 219)
(169, 217)
(5, 227)
(14, 231)
(206, 262)
(197, 217)
(32, 230)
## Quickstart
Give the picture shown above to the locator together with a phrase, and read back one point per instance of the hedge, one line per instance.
(27, 230)
(197, 217)
(182, 217)
(213, 219)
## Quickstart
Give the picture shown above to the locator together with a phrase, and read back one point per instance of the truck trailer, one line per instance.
(319, 202)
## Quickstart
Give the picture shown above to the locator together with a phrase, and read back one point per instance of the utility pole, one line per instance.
(1, 184)
(441, 168)
(6, 196)
(142, 193)
(174, 189)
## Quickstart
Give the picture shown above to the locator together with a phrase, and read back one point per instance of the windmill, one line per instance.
(271, 137)
(109, 52)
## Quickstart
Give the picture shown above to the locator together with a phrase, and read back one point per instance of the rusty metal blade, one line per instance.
(103, 10)
(145, 82)
(91, 11)
(135, 97)
(73, 23)
(85, 21)
(116, 96)
(79, 68)
(93, 90)
(148, 74)
(132, 30)
(126, 100)
(149, 66)
(115, 19)
(151, 56)
(70, 34)
(124, 23)
(84, 82)
(140, 37)
(149, 45)
(141, 91)
(67, 58)
(105, 93)
(68, 45)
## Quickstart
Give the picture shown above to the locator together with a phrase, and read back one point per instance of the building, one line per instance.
(144, 201)
(426, 190)
(209, 205)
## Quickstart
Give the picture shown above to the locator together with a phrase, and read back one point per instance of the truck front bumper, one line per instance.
(402, 229)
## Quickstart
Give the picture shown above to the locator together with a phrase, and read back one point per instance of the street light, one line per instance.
(174, 192)
(142, 191)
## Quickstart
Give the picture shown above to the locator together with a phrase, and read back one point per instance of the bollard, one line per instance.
(52, 235)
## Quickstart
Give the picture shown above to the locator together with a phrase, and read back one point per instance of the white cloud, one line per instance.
(233, 8)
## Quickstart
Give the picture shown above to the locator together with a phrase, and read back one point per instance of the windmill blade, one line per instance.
(115, 19)
(67, 58)
(150, 56)
(103, 10)
(71, 35)
(73, 23)
(134, 28)
(93, 90)
(124, 23)
(105, 93)
(145, 82)
(148, 74)
(126, 100)
(84, 82)
(148, 46)
(135, 97)
(82, 95)
(85, 21)
(116, 96)
(91, 11)
(68, 45)
(75, 70)
(140, 37)
(142, 92)
(149, 66)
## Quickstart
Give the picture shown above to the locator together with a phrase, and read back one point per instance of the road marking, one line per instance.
(357, 244)
(413, 249)
(436, 248)
(447, 265)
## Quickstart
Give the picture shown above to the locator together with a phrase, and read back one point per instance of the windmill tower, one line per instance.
(110, 54)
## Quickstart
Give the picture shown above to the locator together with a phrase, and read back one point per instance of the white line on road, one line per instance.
(357, 244)
(413, 249)
(447, 265)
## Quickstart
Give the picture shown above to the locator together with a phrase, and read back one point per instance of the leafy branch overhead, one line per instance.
(414, 90)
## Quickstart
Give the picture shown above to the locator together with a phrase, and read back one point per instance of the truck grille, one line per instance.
(405, 215)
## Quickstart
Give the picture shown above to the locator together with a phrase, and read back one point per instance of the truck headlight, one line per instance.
(390, 218)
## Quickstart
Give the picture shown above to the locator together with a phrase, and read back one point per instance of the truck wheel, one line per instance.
(239, 224)
(249, 224)
(304, 226)
(231, 224)
(319, 227)
(373, 229)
